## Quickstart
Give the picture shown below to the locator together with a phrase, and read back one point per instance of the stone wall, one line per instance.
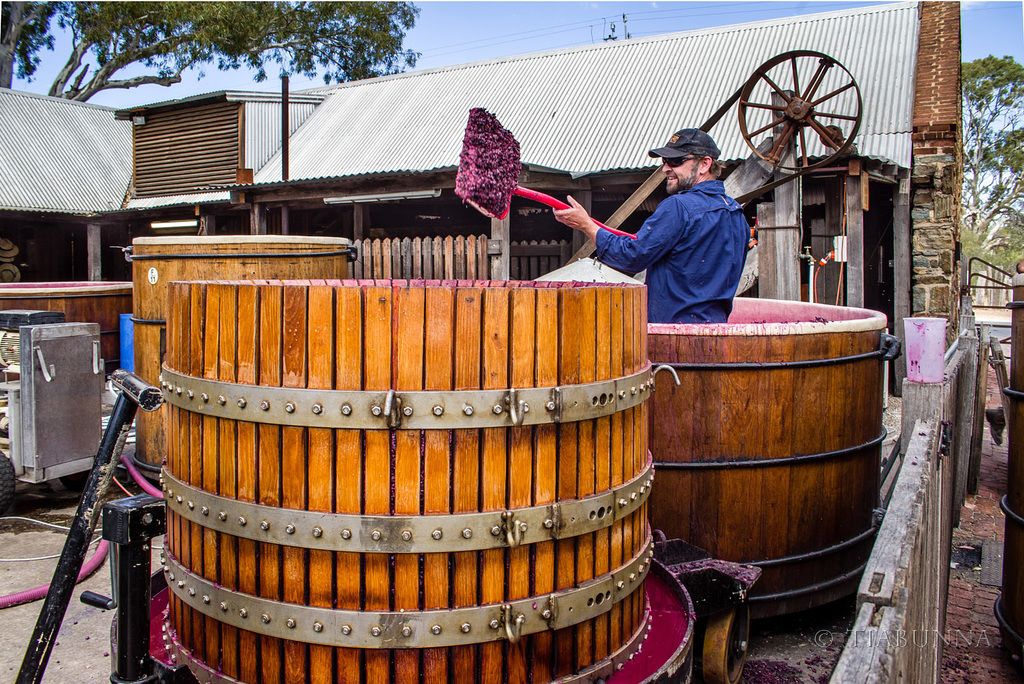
(937, 173)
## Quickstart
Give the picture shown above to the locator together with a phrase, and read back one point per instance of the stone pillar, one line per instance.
(937, 171)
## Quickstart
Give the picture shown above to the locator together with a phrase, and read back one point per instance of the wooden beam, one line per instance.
(207, 224)
(94, 248)
(854, 240)
(360, 221)
(902, 268)
(586, 198)
(500, 262)
(779, 248)
(257, 219)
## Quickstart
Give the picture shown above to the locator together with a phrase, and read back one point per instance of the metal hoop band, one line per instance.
(408, 533)
(419, 410)
(410, 629)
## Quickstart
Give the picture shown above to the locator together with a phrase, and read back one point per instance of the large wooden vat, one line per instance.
(81, 302)
(768, 450)
(157, 261)
(1009, 607)
(406, 481)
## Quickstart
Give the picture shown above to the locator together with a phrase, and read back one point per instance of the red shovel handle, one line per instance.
(557, 204)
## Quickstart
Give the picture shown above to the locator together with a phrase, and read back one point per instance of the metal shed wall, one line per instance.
(181, 150)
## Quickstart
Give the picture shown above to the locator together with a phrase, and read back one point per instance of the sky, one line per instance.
(448, 33)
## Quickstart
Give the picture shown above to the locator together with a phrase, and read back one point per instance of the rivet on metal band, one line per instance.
(416, 410)
(428, 628)
(414, 533)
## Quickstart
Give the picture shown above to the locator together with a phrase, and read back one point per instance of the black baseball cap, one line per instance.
(688, 141)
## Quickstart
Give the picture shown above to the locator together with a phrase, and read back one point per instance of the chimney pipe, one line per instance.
(284, 127)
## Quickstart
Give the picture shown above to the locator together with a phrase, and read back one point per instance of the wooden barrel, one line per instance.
(406, 481)
(1009, 606)
(768, 451)
(81, 302)
(157, 261)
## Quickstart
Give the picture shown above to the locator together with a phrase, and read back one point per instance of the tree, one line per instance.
(342, 40)
(993, 188)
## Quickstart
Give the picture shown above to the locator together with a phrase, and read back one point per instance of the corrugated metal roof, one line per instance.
(307, 96)
(175, 200)
(263, 127)
(61, 156)
(601, 107)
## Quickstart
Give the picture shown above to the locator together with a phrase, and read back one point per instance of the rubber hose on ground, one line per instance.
(30, 595)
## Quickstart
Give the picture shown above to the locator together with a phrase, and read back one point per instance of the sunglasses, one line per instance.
(675, 162)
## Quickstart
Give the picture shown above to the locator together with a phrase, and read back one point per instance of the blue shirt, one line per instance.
(693, 246)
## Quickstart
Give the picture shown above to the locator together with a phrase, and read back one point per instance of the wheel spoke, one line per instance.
(796, 79)
(758, 105)
(803, 147)
(833, 94)
(782, 93)
(765, 128)
(834, 115)
(783, 139)
(816, 80)
(825, 135)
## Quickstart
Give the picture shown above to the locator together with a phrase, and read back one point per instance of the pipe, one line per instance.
(139, 478)
(29, 595)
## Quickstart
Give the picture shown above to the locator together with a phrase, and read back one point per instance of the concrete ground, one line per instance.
(82, 651)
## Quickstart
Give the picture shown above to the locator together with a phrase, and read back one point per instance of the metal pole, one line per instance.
(134, 393)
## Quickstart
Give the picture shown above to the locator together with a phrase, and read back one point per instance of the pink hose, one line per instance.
(95, 561)
(140, 479)
(30, 595)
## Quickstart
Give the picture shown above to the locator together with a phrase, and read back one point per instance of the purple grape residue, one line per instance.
(488, 164)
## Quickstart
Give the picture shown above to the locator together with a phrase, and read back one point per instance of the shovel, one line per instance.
(489, 170)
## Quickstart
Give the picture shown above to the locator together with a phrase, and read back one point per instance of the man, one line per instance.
(693, 245)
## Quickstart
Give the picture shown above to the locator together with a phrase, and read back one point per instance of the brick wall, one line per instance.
(937, 172)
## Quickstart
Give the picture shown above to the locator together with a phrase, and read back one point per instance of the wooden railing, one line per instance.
(454, 258)
(899, 630)
(447, 258)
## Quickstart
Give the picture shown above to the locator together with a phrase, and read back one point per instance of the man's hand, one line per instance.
(577, 218)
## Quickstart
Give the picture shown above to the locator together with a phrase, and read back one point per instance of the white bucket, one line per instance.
(926, 348)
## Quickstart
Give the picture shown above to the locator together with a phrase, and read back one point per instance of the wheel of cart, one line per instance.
(724, 651)
(7, 478)
(718, 590)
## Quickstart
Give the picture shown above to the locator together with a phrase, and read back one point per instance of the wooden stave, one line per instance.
(173, 257)
(1009, 606)
(733, 537)
(456, 659)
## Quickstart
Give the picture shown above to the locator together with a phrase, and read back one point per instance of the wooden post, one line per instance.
(257, 219)
(854, 237)
(207, 224)
(586, 198)
(902, 266)
(94, 248)
(360, 221)
(921, 401)
(782, 244)
(500, 262)
(284, 219)
(980, 392)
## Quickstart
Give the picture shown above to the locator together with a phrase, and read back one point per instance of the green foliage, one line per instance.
(993, 191)
(341, 41)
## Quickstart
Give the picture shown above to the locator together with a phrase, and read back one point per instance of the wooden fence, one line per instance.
(899, 631)
(455, 258)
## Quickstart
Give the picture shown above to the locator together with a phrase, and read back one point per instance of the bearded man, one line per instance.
(694, 244)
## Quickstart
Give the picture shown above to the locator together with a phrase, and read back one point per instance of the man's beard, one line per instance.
(683, 184)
